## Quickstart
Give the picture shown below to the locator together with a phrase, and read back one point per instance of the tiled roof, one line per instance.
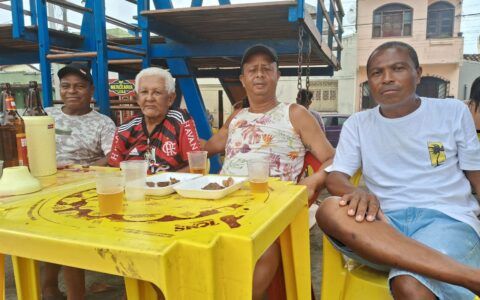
(472, 57)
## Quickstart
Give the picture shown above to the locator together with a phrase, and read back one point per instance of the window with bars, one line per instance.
(392, 20)
(440, 20)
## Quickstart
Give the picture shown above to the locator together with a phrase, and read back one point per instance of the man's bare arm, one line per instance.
(217, 143)
(311, 134)
(315, 142)
(474, 178)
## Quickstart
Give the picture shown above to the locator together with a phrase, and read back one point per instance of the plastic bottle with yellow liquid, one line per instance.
(40, 130)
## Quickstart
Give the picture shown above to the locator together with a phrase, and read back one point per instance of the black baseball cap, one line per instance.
(81, 70)
(259, 48)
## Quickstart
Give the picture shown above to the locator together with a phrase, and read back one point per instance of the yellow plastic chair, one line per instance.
(2, 277)
(344, 281)
(352, 282)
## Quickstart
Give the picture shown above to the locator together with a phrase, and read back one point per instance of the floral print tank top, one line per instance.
(270, 134)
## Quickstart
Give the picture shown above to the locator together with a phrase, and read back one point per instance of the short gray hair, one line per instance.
(154, 71)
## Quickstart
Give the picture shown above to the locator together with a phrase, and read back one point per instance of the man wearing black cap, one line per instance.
(279, 132)
(83, 136)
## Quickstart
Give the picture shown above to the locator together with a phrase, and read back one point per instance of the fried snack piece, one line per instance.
(174, 180)
(213, 186)
(163, 183)
(150, 183)
(228, 182)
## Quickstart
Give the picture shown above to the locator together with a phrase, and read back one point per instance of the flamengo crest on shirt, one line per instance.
(169, 148)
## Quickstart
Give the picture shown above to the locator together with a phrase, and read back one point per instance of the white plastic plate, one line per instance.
(162, 191)
(193, 188)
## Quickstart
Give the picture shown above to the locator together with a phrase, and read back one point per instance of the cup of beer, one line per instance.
(258, 172)
(135, 173)
(197, 161)
(110, 192)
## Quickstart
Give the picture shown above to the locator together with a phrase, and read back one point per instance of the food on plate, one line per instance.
(228, 182)
(215, 186)
(162, 183)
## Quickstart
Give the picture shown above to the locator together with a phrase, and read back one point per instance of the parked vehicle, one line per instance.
(333, 126)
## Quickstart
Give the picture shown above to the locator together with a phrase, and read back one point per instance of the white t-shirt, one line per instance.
(416, 160)
(81, 139)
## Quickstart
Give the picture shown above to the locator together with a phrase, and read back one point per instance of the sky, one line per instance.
(470, 24)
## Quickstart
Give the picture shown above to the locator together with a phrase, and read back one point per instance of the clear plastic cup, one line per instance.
(258, 172)
(197, 162)
(135, 173)
(110, 186)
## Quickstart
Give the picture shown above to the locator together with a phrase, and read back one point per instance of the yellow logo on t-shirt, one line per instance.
(437, 153)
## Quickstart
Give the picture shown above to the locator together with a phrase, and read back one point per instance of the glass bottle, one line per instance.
(33, 105)
(13, 142)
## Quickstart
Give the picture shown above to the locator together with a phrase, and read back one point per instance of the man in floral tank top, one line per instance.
(283, 132)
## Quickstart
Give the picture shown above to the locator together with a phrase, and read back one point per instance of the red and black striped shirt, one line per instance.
(165, 148)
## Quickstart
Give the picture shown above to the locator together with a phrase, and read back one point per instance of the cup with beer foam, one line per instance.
(197, 162)
(258, 172)
(135, 173)
(110, 186)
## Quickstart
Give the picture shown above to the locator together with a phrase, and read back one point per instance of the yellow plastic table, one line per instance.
(188, 248)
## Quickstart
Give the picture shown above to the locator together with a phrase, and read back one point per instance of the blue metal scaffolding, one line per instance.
(193, 45)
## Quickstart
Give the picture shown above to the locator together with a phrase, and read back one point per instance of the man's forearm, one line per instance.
(474, 178)
(100, 162)
(338, 184)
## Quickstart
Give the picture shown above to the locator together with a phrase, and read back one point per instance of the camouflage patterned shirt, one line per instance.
(81, 139)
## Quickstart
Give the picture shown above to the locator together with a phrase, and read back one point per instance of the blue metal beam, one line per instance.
(320, 19)
(102, 59)
(8, 57)
(197, 3)
(193, 98)
(300, 9)
(331, 15)
(43, 50)
(144, 25)
(220, 49)
(33, 12)
(162, 4)
(285, 72)
(18, 22)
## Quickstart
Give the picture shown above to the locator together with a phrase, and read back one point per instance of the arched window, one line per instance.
(433, 87)
(440, 20)
(392, 20)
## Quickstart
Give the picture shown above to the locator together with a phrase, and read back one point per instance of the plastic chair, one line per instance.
(357, 282)
(277, 287)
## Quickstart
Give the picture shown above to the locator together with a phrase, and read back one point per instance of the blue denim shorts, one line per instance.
(435, 230)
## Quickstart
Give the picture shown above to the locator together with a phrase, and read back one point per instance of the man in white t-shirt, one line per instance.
(417, 218)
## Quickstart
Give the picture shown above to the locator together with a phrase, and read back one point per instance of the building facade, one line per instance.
(432, 27)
